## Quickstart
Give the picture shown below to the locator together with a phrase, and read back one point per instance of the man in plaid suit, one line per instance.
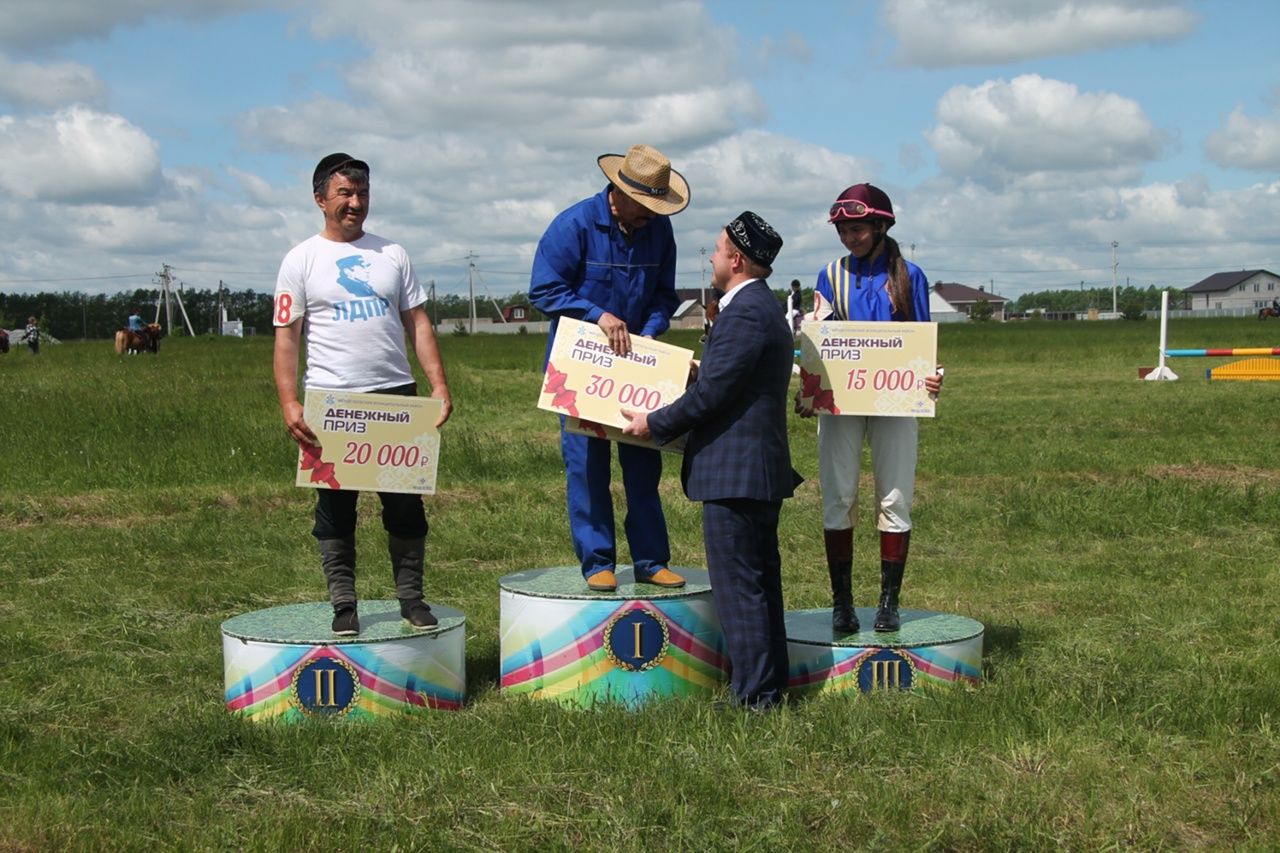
(737, 461)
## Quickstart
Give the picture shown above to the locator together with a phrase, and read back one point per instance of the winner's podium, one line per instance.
(285, 663)
(563, 642)
(930, 648)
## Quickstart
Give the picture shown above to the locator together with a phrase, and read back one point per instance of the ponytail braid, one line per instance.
(899, 280)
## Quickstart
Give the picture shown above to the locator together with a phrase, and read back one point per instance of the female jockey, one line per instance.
(872, 283)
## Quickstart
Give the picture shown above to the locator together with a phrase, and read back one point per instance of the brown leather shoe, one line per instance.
(605, 581)
(662, 577)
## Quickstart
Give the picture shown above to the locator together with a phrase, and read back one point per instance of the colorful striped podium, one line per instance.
(930, 648)
(563, 642)
(285, 664)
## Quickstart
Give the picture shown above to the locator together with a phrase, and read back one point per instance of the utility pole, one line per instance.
(471, 287)
(913, 253)
(167, 297)
(703, 252)
(435, 310)
(1114, 246)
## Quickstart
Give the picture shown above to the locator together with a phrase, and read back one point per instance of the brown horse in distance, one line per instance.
(1268, 312)
(132, 342)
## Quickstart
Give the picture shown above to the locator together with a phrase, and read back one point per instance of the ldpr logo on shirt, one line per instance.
(353, 277)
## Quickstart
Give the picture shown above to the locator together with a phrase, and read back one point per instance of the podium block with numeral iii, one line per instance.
(565, 643)
(930, 648)
(285, 664)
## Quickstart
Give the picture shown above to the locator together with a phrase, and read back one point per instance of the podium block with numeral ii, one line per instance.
(565, 643)
(930, 648)
(285, 664)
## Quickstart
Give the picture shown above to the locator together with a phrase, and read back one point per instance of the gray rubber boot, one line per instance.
(338, 557)
(406, 565)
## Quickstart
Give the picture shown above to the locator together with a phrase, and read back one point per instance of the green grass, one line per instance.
(1119, 539)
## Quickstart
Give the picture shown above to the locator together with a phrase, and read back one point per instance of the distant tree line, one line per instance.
(71, 315)
(1080, 300)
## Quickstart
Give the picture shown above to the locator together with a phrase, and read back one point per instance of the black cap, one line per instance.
(755, 238)
(333, 163)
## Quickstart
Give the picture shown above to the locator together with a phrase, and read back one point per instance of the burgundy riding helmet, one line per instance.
(862, 201)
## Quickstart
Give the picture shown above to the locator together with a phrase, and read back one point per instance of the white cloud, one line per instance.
(941, 33)
(1246, 143)
(970, 233)
(483, 119)
(30, 84)
(1041, 132)
(77, 155)
(35, 24)
(576, 73)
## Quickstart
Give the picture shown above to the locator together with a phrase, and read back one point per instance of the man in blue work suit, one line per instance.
(611, 260)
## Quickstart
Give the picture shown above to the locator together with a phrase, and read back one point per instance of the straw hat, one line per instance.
(645, 174)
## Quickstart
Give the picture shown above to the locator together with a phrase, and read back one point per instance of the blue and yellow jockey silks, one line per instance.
(858, 290)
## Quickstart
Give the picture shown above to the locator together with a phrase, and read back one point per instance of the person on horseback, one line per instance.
(1275, 307)
(139, 328)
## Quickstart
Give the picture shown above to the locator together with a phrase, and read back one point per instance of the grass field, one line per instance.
(1119, 539)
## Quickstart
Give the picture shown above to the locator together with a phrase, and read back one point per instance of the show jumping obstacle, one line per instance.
(1249, 370)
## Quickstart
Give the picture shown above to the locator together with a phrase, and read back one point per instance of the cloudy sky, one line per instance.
(1017, 138)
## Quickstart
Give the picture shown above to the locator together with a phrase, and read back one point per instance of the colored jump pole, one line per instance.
(1222, 353)
(1163, 373)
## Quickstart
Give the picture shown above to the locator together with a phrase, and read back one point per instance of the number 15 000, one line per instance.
(884, 380)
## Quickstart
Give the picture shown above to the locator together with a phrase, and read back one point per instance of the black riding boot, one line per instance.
(839, 546)
(893, 561)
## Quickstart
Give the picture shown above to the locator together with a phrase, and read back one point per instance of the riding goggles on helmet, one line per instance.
(851, 209)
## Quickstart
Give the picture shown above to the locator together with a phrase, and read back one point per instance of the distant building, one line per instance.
(962, 298)
(942, 311)
(1252, 289)
(689, 313)
(520, 314)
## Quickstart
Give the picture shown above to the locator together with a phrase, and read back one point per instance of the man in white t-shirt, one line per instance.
(354, 296)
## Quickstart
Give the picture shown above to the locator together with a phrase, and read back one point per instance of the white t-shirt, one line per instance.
(350, 296)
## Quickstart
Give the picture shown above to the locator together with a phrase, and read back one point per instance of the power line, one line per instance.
(76, 278)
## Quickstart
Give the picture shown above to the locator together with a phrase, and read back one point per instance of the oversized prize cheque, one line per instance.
(371, 442)
(852, 368)
(590, 384)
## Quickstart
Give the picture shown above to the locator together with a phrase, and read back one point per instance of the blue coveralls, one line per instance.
(585, 266)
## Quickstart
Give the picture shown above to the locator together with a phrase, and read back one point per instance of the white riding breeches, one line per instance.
(893, 462)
